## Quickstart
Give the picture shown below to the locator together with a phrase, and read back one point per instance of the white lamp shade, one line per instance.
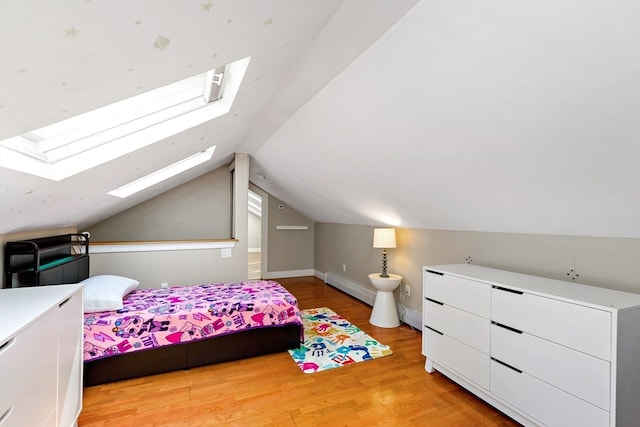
(384, 238)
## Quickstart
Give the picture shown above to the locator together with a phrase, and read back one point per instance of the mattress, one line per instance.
(152, 318)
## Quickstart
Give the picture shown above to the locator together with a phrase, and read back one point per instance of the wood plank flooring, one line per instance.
(272, 391)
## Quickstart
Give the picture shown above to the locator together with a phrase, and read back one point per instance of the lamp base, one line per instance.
(384, 264)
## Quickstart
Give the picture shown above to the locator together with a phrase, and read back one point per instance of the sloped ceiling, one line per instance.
(496, 116)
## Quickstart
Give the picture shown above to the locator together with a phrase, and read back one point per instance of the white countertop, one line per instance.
(19, 307)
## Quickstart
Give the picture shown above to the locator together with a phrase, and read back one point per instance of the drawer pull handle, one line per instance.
(506, 364)
(4, 416)
(436, 331)
(434, 301)
(64, 302)
(517, 331)
(513, 291)
(434, 272)
(6, 345)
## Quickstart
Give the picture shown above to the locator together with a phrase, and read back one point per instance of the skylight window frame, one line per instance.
(66, 150)
(109, 116)
(23, 152)
(163, 174)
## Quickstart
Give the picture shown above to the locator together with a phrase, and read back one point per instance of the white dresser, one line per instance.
(543, 351)
(41, 356)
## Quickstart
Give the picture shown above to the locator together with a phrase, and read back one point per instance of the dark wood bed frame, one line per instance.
(249, 343)
(241, 345)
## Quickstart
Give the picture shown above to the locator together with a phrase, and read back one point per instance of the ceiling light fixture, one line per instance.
(163, 174)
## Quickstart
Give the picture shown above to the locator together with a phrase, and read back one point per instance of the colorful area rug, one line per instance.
(330, 341)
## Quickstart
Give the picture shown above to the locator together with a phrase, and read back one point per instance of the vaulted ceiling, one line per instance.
(498, 116)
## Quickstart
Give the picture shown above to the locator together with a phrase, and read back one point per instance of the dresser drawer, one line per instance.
(35, 408)
(465, 294)
(577, 373)
(579, 327)
(461, 325)
(466, 361)
(26, 360)
(543, 402)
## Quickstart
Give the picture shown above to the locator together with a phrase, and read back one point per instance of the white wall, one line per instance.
(289, 252)
(254, 231)
(198, 209)
(191, 266)
(605, 262)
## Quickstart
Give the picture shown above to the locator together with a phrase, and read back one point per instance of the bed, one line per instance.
(192, 325)
(160, 330)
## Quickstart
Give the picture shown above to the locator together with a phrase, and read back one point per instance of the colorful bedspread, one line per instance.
(157, 317)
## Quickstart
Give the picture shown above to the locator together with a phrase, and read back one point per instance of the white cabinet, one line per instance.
(70, 361)
(41, 356)
(545, 352)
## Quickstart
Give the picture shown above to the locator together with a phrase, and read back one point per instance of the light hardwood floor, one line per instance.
(272, 391)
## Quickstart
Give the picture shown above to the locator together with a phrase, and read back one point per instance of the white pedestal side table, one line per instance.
(385, 313)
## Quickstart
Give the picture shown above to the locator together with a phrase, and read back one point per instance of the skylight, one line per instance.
(79, 143)
(163, 174)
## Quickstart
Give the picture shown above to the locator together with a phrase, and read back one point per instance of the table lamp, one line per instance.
(384, 238)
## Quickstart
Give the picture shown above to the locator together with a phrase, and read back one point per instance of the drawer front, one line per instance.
(467, 295)
(543, 402)
(466, 361)
(461, 325)
(581, 328)
(35, 408)
(24, 363)
(577, 373)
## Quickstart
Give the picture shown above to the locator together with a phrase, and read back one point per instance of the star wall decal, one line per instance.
(161, 42)
(71, 32)
(207, 6)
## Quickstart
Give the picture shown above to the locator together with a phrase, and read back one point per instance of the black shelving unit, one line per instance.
(46, 260)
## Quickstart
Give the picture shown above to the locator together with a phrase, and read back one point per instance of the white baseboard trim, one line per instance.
(407, 315)
(363, 294)
(320, 275)
(287, 274)
(410, 316)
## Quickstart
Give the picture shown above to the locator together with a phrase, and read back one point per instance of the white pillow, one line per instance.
(105, 292)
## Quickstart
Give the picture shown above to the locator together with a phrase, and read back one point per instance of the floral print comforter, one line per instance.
(164, 316)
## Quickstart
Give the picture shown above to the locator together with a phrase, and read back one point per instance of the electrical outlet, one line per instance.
(344, 267)
(164, 285)
(407, 290)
